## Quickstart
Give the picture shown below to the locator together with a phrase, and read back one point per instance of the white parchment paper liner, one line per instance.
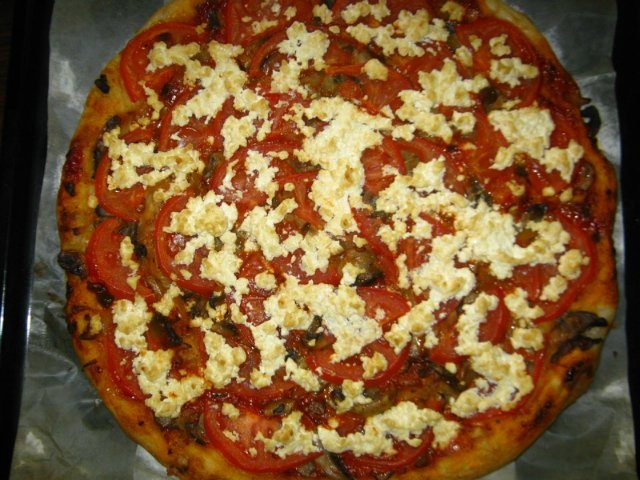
(66, 433)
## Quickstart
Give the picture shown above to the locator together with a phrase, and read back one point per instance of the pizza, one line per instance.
(337, 238)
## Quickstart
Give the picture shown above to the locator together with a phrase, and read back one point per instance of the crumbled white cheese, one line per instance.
(291, 438)
(404, 422)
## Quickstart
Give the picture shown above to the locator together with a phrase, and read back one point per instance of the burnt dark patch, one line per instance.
(537, 211)
(102, 294)
(70, 188)
(570, 333)
(340, 465)
(592, 120)
(102, 83)
(368, 278)
(542, 413)
(161, 326)
(72, 262)
(216, 300)
(112, 123)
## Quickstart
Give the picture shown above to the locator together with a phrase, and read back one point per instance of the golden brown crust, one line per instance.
(564, 377)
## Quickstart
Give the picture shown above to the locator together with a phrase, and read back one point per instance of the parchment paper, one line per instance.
(65, 432)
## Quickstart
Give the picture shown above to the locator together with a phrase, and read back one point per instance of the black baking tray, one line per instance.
(23, 155)
(22, 159)
(625, 57)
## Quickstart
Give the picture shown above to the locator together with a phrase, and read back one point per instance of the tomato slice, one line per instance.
(376, 93)
(352, 368)
(126, 203)
(445, 351)
(203, 134)
(265, 52)
(519, 45)
(239, 16)
(581, 238)
(120, 366)
(279, 388)
(535, 363)
(237, 184)
(134, 60)
(494, 329)
(283, 127)
(385, 306)
(104, 262)
(291, 264)
(374, 161)
(168, 245)
(381, 301)
(302, 183)
(375, 466)
(533, 278)
(364, 466)
(369, 226)
(431, 60)
(235, 438)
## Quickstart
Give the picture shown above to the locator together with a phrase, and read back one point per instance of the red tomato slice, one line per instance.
(486, 140)
(120, 366)
(377, 93)
(235, 438)
(385, 306)
(369, 226)
(533, 278)
(252, 265)
(290, 265)
(105, 264)
(352, 369)
(381, 93)
(167, 246)
(265, 52)
(277, 389)
(431, 60)
(240, 189)
(520, 46)
(134, 61)
(203, 134)
(342, 52)
(535, 363)
(241, 336)
(283, 128)
(126, 203)
(165, 142)
(424, 150)
(494, 328)
(364, 466)
(301, 186)
(539, 179)
(445, 350)
(374, 161)
(382, 301)
(167, 83)
(239, 15)
(417, 250)
(581, 238)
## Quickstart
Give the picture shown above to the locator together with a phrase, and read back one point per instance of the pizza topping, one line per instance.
(403, 422)
(504, 380)
(139, 163)
(346, 235)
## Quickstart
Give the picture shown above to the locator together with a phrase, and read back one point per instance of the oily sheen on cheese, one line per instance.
(337, 239)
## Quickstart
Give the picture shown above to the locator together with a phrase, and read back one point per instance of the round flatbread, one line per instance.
(337, 239)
